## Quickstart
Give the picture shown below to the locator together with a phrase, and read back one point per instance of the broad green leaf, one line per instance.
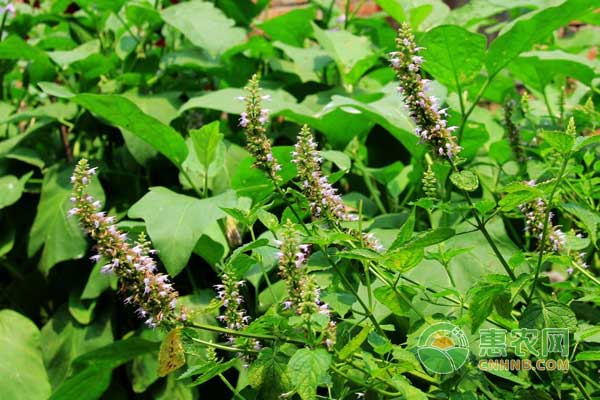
(537, 69)
(393, 8)
(532, 28)
(68, 57)
(204, 25)
(61, 236)
(206, 140)
(398, 301)
(116, 353)
(291, 28)
(175, 222)
(162, 106)
(88, 384)
(589, 218)
(484, 296)
(453, 55)
(307, 369)
(64, 339)
(403, 259)
(308, 63)
(11, 189)
(15, 48)
(82, 310)
(548, 315)
(351, 53)
(465, 180)
(22, 371)
(559, 141)
(267, 374)
(123, 113)
(354, 344)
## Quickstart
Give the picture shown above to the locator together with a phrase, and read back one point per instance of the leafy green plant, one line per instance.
(317, 205)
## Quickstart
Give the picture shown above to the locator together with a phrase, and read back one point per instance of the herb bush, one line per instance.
(197, 202)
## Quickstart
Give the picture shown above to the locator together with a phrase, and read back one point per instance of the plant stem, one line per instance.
(230, 387)
(546, 224)
(224, 348)
(212, 328)
(547, 102)
(473, 105)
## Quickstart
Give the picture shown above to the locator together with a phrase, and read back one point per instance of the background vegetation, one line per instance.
(125, 83)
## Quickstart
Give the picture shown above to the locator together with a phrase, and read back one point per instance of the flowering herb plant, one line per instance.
(290, 213)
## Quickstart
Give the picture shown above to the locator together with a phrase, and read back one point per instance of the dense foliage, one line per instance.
(198, 201)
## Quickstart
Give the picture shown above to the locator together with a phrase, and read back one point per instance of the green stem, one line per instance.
(473, 105)
(217, 329)
(3, 23)
(546, 224)
(547, 102)
(224, 348)
(580, 386)
(358, 382)
(189, 179)
(230, 387)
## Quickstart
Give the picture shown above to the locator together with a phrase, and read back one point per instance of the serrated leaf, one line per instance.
(454, 55)
(307, 369)
(559, 141)
(397, 301)
(548, 315)
(465, 180)
(405, 232)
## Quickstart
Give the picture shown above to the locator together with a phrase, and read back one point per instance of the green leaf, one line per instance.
(60, 235)
(465, 180)
(116, 353)
(68, 57)
(397, 301)
(122, 112)
(589, 355)
(532, 28)
(22, 371)
(267, 374)
(484, 296)
(206, 140)
(589, 218)
(88, 384)
(292, 27)
(537, 69)
(204, 25)
(559, 141)
(453, 55)
(175, 222)
(354, 344)
(351, 53)
(307, 369)
(393, 8)
(308, 63)
(548, 315)
(11, 189)
(429, 238)
(64, 339)
(406, 231)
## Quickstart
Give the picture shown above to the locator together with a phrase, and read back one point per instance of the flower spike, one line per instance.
(150, 292)
(253, 120)
(424, 110)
